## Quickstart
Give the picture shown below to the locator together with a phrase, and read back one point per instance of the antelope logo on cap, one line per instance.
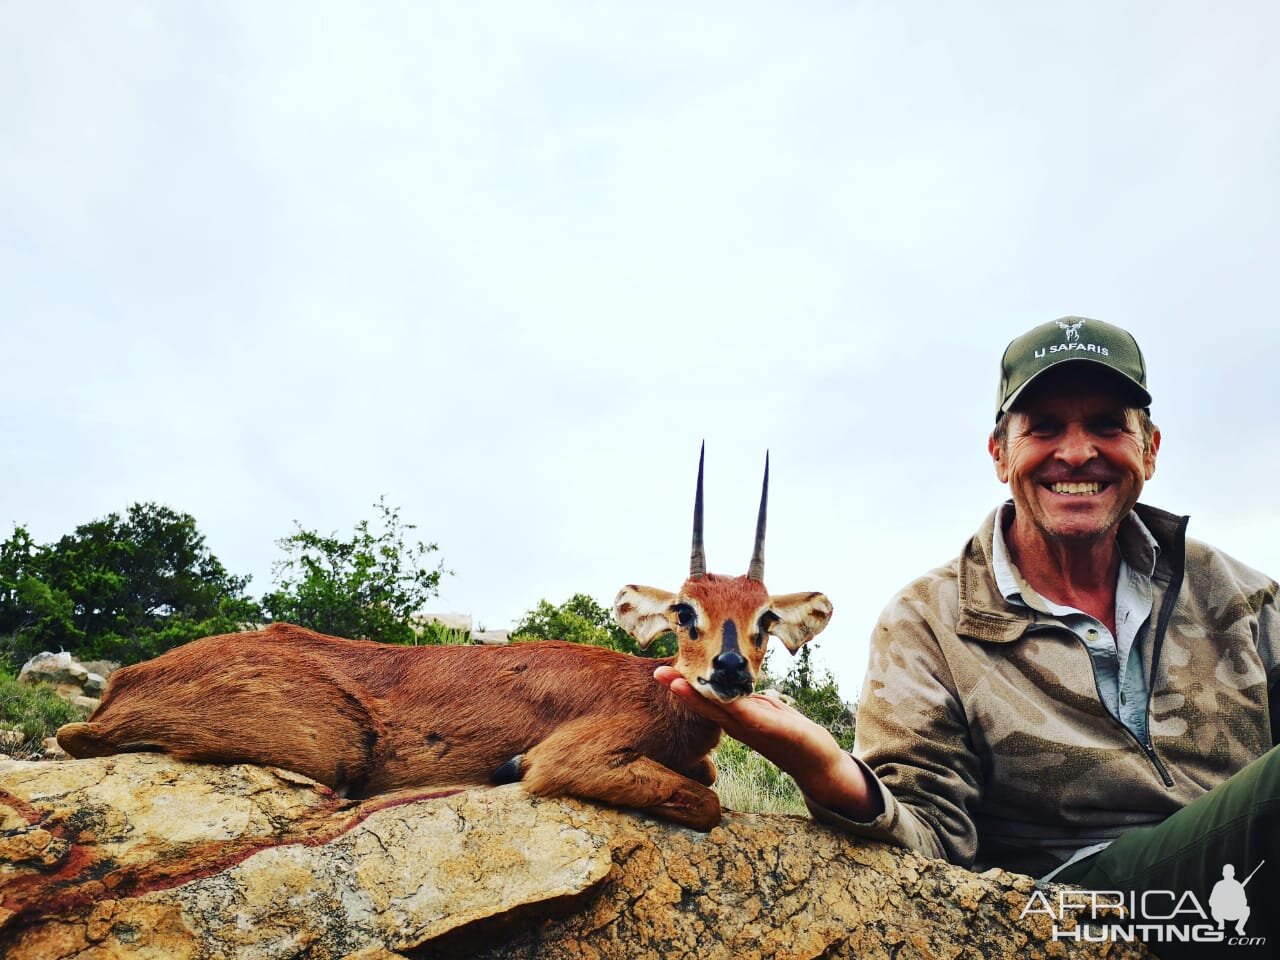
(1073, 329)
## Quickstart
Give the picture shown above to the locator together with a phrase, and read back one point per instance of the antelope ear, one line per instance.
(801, 617)
(642, 612)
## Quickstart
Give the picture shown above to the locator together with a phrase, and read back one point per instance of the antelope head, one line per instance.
(722, 624)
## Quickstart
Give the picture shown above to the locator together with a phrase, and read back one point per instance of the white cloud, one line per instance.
(510, 264)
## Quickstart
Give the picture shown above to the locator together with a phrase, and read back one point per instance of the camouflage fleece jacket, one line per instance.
(982, 724)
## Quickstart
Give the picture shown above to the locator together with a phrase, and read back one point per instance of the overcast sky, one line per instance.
(510, 263)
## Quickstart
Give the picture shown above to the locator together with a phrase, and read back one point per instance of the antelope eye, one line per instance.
(684, 614)
(765, 624)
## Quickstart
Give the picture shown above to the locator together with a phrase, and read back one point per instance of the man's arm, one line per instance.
(915, 776)
(913, 731)
(798, 746)
(1269, 651)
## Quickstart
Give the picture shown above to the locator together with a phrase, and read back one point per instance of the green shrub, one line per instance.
(582, 619)
(370, 586)
(34, 712)
(122, 588)
(816, 694)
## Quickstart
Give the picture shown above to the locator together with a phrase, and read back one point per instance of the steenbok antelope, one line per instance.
(565, 719)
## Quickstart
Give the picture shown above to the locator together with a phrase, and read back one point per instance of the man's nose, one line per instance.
(1077, 447)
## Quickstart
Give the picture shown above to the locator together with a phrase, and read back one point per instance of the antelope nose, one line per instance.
(729, 662)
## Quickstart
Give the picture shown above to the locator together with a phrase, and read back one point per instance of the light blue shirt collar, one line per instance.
(1117, 660)
(1138, 554)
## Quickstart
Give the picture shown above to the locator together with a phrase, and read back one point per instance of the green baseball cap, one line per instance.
(1070, 340)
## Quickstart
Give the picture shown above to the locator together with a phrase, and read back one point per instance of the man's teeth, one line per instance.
(1079, 489)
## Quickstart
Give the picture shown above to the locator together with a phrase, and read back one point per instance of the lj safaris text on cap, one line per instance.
(1086, 347)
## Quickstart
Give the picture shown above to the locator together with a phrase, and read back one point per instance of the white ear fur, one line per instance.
(801, 617)
(642, 612)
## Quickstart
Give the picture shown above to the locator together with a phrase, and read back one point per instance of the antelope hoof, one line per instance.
(690, 808)
(510, 772)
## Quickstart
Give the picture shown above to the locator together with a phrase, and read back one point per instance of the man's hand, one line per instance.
(798, 746)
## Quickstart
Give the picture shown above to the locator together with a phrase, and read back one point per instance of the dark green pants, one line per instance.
(1215, 842)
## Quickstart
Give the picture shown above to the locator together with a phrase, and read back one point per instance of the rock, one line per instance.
(94, 683)
(141, 856)
(58, 669)
(103, 668)
(69, 679)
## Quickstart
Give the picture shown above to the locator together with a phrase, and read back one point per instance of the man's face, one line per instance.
(1074, 457)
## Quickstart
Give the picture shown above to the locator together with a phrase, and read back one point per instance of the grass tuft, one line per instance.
(437, 634)
(749, 783)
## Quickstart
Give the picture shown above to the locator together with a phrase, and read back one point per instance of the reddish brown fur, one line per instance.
(726, 598)
(371, 718)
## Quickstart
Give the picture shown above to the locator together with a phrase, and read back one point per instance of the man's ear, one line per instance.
(1149, 455)
(997, 457)
(642, 612)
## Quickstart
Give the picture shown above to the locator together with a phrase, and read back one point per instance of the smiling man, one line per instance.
(1083, 693)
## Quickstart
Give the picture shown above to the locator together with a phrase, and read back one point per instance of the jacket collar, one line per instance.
(986, 615)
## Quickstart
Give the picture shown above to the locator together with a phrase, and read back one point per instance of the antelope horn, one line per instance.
(698, 558)
(756, 570)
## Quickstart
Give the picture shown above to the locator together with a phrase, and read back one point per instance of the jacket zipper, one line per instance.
(1146, 747)
(1178, 564)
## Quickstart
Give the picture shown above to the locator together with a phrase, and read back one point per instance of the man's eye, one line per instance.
(1108, 426)
(1042, 428)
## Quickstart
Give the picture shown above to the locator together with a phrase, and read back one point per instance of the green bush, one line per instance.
(122, 588)
(34, 712)
(582, 619)
(370, 586)
(817, 695)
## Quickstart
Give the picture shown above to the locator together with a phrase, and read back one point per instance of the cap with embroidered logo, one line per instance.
(1070, 340)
